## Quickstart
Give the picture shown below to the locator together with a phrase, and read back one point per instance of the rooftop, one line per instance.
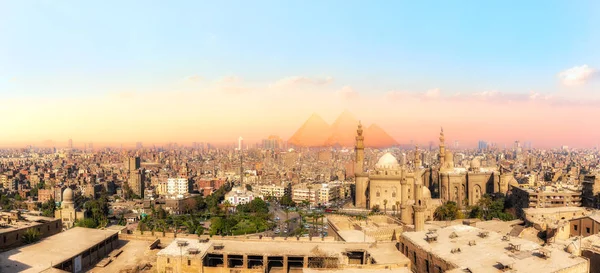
(382, 253)
(489, 250)
(52, 250)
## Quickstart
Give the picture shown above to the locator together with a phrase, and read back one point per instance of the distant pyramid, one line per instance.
(313, 133)
(376, 137)
(343, 131)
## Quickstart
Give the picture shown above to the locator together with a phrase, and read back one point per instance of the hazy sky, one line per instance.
(183, 71)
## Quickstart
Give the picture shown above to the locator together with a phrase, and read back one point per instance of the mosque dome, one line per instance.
(387, 161)
(426, 193)
(67, 195)
(475, 163)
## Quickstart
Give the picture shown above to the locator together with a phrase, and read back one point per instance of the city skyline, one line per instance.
(201, 72)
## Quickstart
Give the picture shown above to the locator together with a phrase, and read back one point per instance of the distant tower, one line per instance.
(361, 178)
(418, 162)
(442, 148)
(70, 144)
(240, 143)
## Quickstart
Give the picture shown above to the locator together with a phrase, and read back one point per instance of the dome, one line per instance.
(387, 161)
(426, 193)
(67, 195)
(475, 163)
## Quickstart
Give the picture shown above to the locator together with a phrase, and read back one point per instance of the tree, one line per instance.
(248, 187)
(397, 206)
(87, 223)
(31, 235)
(447, 211)
(48, 208)
(385, 201)
(375, 209)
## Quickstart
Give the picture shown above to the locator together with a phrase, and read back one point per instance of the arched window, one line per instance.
(378, 194)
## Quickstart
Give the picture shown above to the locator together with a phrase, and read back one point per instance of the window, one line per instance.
(168, 260)
(575, 227)
(378, 194)
(587, 229)
(189, 262)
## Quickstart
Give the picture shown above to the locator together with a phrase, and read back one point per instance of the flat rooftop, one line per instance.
(52, 250)
(488, 252)
(382, 253)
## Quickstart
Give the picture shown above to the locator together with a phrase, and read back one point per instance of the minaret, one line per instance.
(442, 148)
(418, 162)
(360, 177)
(359, 151)
(419, 206)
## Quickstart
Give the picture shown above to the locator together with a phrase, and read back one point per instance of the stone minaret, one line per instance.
(404, 207)
(361, 178)
(419, 206)
(442, 149)
(418, 162)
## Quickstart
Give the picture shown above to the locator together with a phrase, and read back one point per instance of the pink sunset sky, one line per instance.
(220, 110)
(208, 71)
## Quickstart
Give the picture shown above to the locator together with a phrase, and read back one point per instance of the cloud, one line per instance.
(193, 78)
(432, 94)
(577, 75)
(229, 80)
(347, 93)
(122, 94)
(295, 81)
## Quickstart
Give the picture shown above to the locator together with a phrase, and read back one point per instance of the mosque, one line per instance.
(408, 188)
(67, 212)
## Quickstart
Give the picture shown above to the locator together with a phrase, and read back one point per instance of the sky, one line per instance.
(211, 71)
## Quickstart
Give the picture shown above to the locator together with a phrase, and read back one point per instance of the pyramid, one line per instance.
(313, 133)
(343, 131)
(375, 137)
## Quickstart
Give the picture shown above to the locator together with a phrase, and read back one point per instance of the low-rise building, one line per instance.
(462, 248)
(545, 197)
(74, 250)
(250, 255)
(13, 226)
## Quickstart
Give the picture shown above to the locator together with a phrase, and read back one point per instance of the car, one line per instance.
(277, 218)
(285, 231)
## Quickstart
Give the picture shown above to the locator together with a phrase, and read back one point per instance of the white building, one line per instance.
(239, 195)
(272, 190)
(177, 186)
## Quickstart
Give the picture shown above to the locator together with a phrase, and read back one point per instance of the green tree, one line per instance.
(87, 223)
(447, 211)
(31, 235)
(48, 208)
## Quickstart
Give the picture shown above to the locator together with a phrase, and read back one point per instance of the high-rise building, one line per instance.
(132, 163)
(138, 145)
(70, 144)
(178, 186)
(240, 143)
(482, 145)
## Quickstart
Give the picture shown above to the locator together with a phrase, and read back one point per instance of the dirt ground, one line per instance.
(135, 255)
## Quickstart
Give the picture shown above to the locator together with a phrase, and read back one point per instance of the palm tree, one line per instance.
(397, 206)
(385, 201)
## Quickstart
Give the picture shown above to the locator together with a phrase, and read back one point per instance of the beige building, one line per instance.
(13, 226)
(260, 256)
(462, 248)
(271, 190)
(67, 211)
(390, 186)
(545, 197)
(75, 250)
